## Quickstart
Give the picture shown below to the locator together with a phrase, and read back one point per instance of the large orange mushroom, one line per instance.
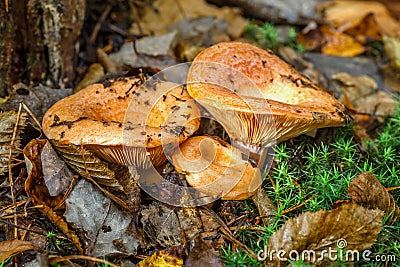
(121, 122)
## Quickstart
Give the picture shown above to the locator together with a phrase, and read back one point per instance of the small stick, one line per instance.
(10, 178)
(96, 29)
(392, 188)
(296, 207)
(81, 257)
(32, 115)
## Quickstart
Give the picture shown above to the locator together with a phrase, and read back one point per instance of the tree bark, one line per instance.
(39, 42)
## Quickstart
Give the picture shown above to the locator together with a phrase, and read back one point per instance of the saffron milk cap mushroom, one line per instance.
(280, 104)
(215, 168)
(120, 122)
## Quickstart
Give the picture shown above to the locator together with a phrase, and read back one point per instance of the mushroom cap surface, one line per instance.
(247, 88)
(122, 118)
(214, 167)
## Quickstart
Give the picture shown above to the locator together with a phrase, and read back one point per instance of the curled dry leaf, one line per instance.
(94, 74)
(367, 191)
(56, 173)
(265, 206)
(350, 226)
(9, 248)
(170, 257)
(331, 42)
(36, 189)
(349, 14)
(7, 123)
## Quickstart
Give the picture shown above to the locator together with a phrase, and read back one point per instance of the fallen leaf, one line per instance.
(94, 74)
(349, 14)
(161, 14)
(265, 206)
(9, 248)
(170, 257)
(203, 254)
(108, 229)
(349, 227)
(190, 221)
(366, 190)
(363, 96)
(36, 189)
(57, 176)
(331, 42)
(392, 49)
(161, 226)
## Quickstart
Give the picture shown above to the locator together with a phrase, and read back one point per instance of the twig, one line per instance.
(10, 178)
(296, 207)
(81, 257)
(31, 114)
(96, 29)
(21, 227)
(392, 188)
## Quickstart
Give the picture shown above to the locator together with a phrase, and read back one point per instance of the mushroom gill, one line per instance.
(257, 97)
(121, 122)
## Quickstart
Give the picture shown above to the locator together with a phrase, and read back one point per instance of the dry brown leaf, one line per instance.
(265, 206)
(36, 189)
(203, 254)
(392, 50)
(361, 95)
(350, 227)
(57, 176)
(170, 257)
(94, 74)
(9, 248)
(331, 42)
(162, 14)
(349, 14)
(366, 190)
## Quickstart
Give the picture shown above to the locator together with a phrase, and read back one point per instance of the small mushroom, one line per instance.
(122, 122)
(215, 168)
(257, 97)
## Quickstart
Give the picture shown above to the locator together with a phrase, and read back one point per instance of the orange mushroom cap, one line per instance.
(258, 97)
(214, 167)
(120, 121)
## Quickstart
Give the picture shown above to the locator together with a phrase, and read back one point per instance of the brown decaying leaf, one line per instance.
(36, 189)
(158, 17)
(203, 254)
(94, 74)
(361, 95)
(331, 42)
(265, 206)
(349, 14)
(9, 248)
(366, 190)
(57, 176)
(170, 257)
(351, 224)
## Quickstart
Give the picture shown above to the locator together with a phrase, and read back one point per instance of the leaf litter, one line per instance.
(115, 232)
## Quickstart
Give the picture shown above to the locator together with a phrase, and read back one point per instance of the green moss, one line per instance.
(319, 174)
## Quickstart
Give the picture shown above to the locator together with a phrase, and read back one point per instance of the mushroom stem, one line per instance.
(259, 156)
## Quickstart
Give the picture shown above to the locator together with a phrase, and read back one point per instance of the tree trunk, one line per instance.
(39, 42)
